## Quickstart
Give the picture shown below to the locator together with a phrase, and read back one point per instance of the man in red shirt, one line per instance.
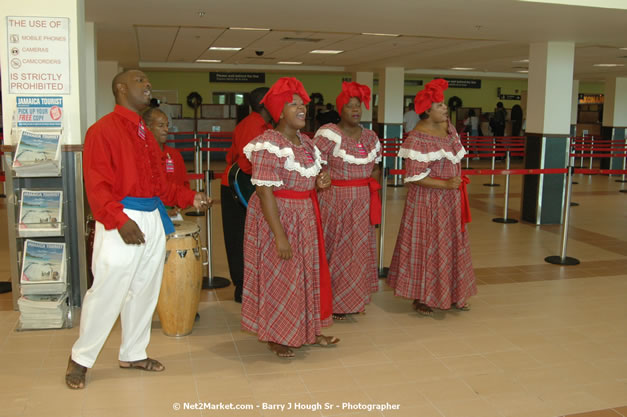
(175, 169)
(125, 184)
(234, 213)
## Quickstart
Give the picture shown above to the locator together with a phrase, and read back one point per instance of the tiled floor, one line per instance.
(541, 340)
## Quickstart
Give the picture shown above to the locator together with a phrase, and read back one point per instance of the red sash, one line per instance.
(326, 299)
(375, 200)
(466, 217)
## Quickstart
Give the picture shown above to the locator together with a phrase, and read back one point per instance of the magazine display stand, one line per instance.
(33, 205)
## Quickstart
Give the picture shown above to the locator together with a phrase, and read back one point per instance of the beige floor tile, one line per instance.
(470, 408)
(441, 391)
(404, 395)
(469, 365)
(291, 382)
(422, 411)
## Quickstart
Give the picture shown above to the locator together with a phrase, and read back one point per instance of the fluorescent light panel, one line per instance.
(224, 48)
(608, 65)
(522, 60)
(209, 60)
(381, 34)
(259, 29)
(290, 62)
(523, 71)
(326, 51)
(462, 68)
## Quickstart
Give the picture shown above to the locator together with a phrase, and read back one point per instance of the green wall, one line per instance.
(329, 85)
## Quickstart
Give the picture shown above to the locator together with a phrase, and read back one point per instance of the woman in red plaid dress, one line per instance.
(287, 296)
(351, 153)
(431, 262)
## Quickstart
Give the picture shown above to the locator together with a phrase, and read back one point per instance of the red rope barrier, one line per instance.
(599, 171)
(533, 171)
(214, 149)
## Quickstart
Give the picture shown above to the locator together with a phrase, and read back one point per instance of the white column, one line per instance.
(365, 78)
(549, 114)
(391, 90)
(575, 103)
(615, 103)
(105, 101)
(551, 66)
(91, 73)
(73, 107)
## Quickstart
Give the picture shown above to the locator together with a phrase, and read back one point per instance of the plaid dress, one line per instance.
(431, 261)
(281, 298)
(349, 237)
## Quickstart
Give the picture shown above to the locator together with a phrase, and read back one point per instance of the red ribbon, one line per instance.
(465, 204)
(375, 200)
(326, 298)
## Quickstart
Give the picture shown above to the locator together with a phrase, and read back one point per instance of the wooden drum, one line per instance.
(182, 280)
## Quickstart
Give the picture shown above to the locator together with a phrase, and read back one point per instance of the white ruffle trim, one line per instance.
(432, 156)
(290, 160)
(341, 153)
(264, 183)
(419, 176)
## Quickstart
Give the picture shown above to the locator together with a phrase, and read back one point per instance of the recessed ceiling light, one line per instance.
(521, 60)
(260, 29)
(608, 65)
(462, 68)
(209, 60)
(201, 14)
(326, 51)
(523, 71)
(290, 62)
(380, 34)
(623, 49)
(224, 48)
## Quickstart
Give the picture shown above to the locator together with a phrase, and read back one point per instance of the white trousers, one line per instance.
(127, 280)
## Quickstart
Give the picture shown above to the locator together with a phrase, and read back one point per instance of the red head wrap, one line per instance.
(283, 92)
(432, 93)
(353, 89)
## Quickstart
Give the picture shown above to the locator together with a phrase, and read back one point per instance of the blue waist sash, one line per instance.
(150, 204)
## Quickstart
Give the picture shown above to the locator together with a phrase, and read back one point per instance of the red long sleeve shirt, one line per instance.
(179, 174)
(118, 163)
(248, 129)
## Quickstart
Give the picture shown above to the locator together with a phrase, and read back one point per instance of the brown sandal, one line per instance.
(339, 316)
(75, 375)
(422, 309)
(281, 351)
(464, 307)
(147, 364)
(326, 341)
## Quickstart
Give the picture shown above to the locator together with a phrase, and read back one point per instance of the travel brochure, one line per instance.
(40, 213)
(43, 311)
(38, 154)
(43, 268)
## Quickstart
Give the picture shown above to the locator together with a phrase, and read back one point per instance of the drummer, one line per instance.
(175, 170)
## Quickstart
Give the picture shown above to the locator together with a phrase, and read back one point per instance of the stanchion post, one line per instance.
(562, 259)
(591, 149)
(491, 183)
(383, 272)
(210, 282)
(197, 170)
(505, 219)
(622, 178)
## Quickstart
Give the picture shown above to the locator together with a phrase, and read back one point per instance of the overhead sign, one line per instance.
(591, 98)
(237, 77)
(39, 112)
(463, 83)
(38, 54)
(510, 97)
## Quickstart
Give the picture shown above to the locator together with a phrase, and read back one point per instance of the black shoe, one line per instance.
(197, 317)
(237, 297)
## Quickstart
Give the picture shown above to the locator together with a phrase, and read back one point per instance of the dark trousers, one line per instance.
(233, 222)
